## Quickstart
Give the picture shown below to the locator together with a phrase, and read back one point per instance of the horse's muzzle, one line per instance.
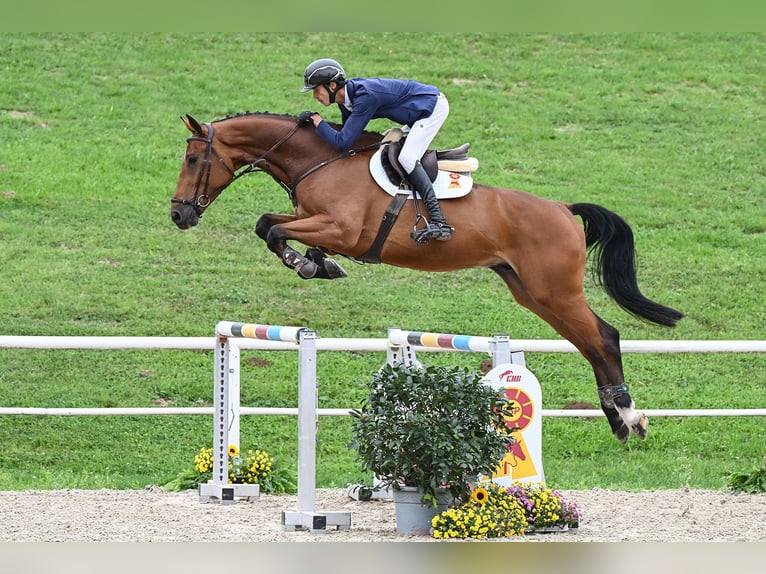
(184, 216)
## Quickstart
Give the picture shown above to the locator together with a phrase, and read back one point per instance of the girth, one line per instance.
(372, 255)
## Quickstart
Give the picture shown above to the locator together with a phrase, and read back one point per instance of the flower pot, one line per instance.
(412, 516)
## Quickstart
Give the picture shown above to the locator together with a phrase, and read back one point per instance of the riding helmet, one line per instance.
(322, 72)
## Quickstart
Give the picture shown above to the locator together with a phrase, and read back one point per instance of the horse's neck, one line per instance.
(257, 137)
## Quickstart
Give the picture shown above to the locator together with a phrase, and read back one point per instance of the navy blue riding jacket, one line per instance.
(401, 101)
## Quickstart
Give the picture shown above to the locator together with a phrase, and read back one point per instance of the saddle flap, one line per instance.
(398, 176)
(391, 163)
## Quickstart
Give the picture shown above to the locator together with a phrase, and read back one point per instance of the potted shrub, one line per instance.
(432, 430)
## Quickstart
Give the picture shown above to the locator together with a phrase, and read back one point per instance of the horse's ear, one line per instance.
(192, 125)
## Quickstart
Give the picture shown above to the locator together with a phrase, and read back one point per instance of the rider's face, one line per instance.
(321, 95)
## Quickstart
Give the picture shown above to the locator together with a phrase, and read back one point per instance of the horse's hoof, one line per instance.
(622, 434)
(639, 428)
(334, 270)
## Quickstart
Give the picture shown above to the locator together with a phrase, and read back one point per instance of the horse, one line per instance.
(536, 246)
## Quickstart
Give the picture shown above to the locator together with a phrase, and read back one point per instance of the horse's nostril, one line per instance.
(175, 216)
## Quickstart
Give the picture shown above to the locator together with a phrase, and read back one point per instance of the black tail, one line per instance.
(610, 239)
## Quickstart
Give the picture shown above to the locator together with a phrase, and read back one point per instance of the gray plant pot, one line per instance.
(413, 517)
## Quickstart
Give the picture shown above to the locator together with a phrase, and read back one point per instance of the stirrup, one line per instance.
(440, 232)
(444, 233)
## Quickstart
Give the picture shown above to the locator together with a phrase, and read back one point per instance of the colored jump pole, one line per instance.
(402, 343)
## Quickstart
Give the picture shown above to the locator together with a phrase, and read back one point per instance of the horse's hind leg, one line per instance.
(569, 314)
(614, 396)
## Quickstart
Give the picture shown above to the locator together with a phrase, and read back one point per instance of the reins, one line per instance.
(348, 153)
(203, 200)
(290, 189)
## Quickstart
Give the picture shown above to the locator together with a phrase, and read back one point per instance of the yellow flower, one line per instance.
(233, 450)
(203, 461)
(479, 495)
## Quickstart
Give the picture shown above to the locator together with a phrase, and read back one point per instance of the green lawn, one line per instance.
(664, 129)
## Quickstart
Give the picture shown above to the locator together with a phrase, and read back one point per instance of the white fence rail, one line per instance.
(369, 344)
(356, 345)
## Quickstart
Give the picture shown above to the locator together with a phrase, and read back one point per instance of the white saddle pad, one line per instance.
(447, 185)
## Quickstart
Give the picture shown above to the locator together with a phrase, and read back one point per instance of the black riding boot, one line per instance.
(437, 228)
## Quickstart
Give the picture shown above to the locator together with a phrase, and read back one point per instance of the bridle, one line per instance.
(201, 201)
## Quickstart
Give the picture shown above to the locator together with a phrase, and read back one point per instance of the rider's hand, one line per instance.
(304, 118)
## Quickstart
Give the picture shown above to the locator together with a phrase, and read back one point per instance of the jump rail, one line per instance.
(229, 335)
(358, 345)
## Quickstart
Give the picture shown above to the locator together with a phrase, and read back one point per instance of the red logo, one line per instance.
(522, 409)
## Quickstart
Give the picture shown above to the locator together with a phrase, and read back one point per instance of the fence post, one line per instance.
(226, 407)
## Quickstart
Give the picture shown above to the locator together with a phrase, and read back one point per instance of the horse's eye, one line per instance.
(191, 160)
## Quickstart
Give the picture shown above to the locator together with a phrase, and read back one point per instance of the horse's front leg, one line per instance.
(269, 220)
(276, 229)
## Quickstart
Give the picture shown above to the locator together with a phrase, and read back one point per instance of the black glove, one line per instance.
(304, 118)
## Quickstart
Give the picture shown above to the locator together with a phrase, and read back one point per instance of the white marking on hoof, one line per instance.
(639, 429)
(633, 418)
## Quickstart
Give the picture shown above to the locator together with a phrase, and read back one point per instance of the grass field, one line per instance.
(664, 129)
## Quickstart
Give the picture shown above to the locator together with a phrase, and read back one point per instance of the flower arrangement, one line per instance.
(495, 511)
(249, 469)
(252, 467)
(491, 512)
(432, 428)
(545, 508)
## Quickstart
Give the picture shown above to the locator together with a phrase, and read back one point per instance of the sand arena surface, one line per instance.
(152, 515)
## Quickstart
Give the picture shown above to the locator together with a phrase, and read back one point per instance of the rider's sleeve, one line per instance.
(353, 126)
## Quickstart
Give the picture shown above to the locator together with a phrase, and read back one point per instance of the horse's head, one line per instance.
(205, 173)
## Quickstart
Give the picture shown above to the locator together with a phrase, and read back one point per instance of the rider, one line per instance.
(421, 108)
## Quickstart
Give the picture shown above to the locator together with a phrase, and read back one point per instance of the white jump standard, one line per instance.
(226, 425)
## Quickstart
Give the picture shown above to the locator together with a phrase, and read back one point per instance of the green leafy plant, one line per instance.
(431, 428)
(751, 482)
(253, 467)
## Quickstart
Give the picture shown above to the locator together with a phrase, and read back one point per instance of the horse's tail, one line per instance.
(610, 239)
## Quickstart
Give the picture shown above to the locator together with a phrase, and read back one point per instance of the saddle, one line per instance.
(455, 159)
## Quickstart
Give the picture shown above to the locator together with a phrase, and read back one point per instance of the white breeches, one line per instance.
(422, 133)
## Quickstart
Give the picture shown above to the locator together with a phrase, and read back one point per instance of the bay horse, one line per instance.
(537, 246)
